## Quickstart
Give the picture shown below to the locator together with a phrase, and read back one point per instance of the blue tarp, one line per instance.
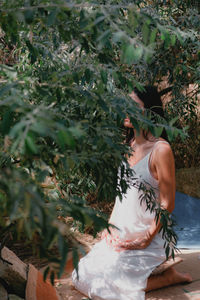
(187, 216)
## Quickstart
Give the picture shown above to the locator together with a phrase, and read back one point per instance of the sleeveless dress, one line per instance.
(104, 273)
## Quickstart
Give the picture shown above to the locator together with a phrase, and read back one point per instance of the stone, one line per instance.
(14, 272)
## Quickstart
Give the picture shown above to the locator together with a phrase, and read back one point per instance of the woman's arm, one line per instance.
(163, 168)
(163, 162)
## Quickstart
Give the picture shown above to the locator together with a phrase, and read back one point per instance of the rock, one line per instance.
(3, 293)
(14, 272)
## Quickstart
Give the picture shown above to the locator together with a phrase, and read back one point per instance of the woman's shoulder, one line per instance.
(162, 143)
(162, 149)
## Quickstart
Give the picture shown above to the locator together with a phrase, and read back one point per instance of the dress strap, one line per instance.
(161, 142)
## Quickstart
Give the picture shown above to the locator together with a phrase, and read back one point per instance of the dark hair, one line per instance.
(152, 102)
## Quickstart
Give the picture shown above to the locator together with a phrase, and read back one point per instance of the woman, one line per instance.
(119, 266)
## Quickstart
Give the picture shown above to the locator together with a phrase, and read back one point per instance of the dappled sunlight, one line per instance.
(191, 264)
(108, 273)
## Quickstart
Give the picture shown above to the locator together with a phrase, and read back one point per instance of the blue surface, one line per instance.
(187, 215)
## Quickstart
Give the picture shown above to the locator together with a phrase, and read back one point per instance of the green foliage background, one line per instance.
(67, 68)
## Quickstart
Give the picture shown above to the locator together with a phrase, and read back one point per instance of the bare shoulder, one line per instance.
(162, 145)
(163, 150)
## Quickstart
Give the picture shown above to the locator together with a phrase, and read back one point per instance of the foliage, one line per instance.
(187, 152)
(64, 98)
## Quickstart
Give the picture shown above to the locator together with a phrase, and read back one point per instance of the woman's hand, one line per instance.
(141, 242)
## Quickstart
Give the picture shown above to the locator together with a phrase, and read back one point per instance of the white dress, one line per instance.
(107, 274)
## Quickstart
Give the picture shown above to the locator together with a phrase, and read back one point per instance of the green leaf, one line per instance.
(180, 38)
(173, 254)
(33, 51)
(52, 17)
(118, 36)
(100, 19)
(46, 272)
(6, 89)
(40, 128)
(132, 18)
(76, 77)
(104, 37)
(148, 57)
(15, 131)
(128, 54)
(132, 54)
(65, 137)
(30, 143)
(63, 249)
(52, 277)
(169, 134)
(162, 35)
(173, 39)
(104, 76)
(167, 40)
(76, 131)
(153, 35)
(88, 75)
(157, 131)
(138, 53)
(135, 124)
(29, 15)
(167, 250)
(75, 259)
(7, 121)
(145, 33)
(173, 121)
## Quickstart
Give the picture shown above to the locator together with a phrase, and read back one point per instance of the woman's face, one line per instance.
(135, 98)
